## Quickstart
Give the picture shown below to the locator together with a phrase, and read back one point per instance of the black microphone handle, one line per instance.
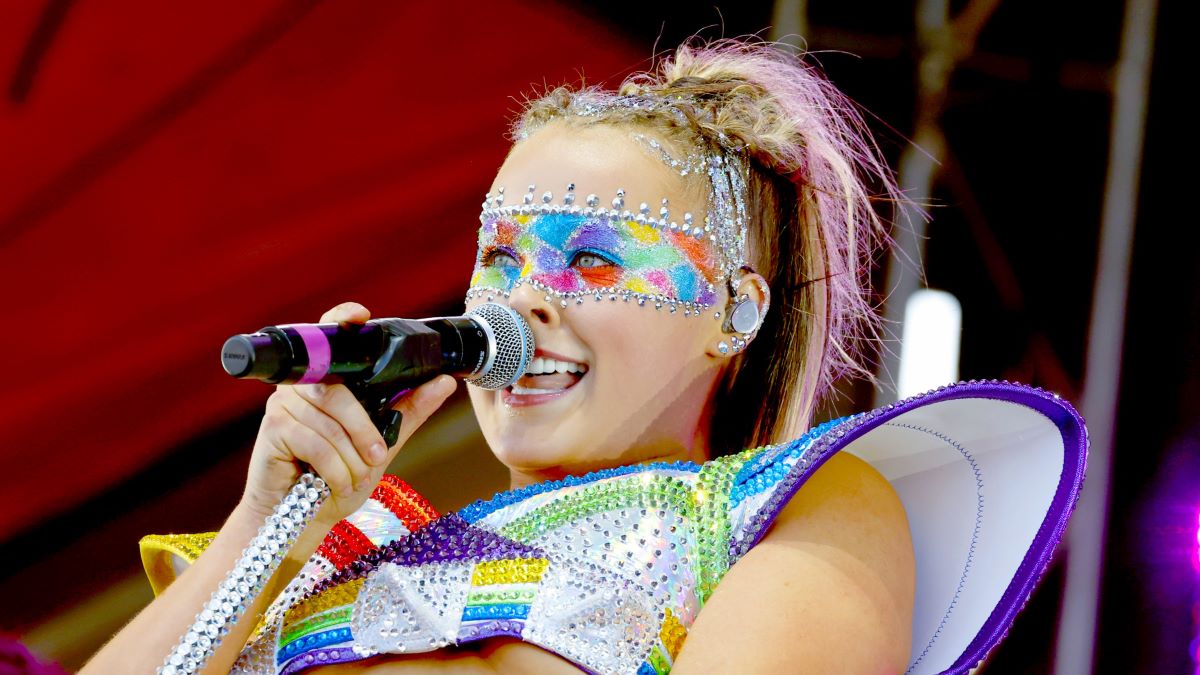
(380, 359)
(406, 351)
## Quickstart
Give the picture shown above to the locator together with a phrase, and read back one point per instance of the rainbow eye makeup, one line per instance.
(607, 255)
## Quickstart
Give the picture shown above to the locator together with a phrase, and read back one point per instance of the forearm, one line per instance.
(143, 644)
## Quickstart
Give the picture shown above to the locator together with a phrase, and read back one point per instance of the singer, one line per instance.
(692, 254)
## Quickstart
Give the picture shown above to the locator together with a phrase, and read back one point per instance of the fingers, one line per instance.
(325, 426)
(306, 445)
(344, 418)
(334, 434)
(417, 405)
(347, 312)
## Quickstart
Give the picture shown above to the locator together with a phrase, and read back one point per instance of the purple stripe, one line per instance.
(317, 345)
(321, 657)
(470, 631)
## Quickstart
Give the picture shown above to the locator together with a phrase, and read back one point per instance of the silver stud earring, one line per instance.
(742, 317)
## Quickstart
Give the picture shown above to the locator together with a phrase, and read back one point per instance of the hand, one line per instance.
(324, 426)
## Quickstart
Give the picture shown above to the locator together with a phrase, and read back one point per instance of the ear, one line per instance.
(741, 317)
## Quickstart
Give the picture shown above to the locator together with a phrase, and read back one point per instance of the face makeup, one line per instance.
(575, 255)
(608, 383)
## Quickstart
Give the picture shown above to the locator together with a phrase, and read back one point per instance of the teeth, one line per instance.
(543, 366)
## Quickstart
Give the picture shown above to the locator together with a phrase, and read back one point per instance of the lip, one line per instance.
(547, 354)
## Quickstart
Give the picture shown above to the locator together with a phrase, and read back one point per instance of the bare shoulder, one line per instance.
(828, 589)
(845, 490)
(848, 505)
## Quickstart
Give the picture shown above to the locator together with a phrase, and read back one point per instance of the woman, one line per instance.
(691, 254)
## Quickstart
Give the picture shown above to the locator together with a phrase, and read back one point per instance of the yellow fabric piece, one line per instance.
(672, 634)
(163, 554)
(334, 596)
(519, 571)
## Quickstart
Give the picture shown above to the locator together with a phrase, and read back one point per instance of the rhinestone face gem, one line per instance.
(725, 224)
(724, 164)
(633, 256)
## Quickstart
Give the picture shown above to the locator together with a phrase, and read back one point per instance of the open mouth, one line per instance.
(544, 379)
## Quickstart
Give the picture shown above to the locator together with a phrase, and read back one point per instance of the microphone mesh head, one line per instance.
(510, 341)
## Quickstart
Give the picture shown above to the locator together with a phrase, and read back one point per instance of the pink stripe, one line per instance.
(318, 352)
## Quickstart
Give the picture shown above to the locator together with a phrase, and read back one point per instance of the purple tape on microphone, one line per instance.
(319, 354)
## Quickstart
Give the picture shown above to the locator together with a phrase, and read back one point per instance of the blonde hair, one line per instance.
(812, 230)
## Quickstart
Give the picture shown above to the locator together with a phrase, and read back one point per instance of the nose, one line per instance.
(536, 306)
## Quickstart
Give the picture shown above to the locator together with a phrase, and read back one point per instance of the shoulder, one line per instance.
(851, 508)
(836, 569)
(844, 491)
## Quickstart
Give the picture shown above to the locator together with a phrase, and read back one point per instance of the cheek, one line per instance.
(643, 345)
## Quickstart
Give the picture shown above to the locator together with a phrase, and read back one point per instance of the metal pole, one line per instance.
(918, 164)
(789, 23)
(1086, 534)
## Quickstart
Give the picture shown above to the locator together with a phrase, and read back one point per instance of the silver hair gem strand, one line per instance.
(245, 581)
(722, 158)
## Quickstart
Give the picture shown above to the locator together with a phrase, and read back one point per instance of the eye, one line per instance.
(590, 259)
(498, 257)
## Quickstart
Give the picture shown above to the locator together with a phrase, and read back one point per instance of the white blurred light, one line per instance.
(929, 343)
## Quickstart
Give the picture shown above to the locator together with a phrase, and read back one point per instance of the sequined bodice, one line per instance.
(608, 570)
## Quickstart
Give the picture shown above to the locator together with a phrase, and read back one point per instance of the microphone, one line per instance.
(489, 347)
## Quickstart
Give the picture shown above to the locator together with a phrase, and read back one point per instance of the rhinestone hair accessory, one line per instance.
(721, 158)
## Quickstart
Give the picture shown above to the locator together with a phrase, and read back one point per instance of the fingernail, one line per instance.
(377, 453)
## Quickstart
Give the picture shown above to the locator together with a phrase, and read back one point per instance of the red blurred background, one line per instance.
(172, 174)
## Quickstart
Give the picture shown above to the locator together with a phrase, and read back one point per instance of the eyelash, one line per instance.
(605, 260)
(489, 255)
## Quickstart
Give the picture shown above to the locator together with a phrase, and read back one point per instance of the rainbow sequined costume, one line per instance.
(610, 569)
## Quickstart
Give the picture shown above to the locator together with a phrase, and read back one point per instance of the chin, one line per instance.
(528, 448)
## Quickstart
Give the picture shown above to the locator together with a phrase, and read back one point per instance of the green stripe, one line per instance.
(631, 492)
(490, 597)
(315, 623)
(713, 531)
(658, 659)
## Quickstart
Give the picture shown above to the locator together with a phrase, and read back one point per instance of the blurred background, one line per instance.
(175, 173)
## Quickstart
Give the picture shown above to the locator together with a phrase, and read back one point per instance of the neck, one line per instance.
(696, 451)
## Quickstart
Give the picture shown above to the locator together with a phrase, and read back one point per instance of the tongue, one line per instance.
(548, 381)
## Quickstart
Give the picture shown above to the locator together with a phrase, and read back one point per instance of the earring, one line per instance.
(742, 317)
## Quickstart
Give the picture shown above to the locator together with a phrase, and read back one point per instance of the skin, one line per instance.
(651, 375)
(836, 569)
(829, 589)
